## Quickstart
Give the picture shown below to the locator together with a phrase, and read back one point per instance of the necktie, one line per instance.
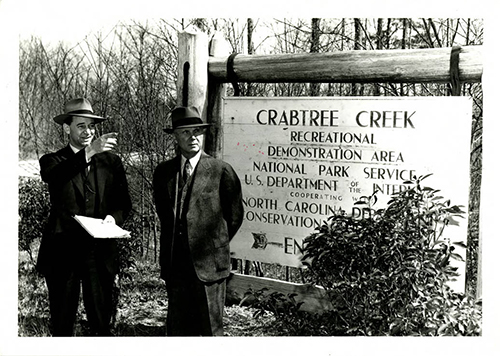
(187, 171)
(87, 169)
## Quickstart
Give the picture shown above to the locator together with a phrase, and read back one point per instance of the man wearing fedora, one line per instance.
(84, 178)
(199, 202)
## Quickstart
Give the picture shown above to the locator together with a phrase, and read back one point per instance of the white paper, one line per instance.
(98, 229)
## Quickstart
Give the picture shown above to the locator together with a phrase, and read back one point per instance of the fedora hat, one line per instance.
(185, 117)
(78, 107)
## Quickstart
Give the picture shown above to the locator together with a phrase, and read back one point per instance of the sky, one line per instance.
(54, 20)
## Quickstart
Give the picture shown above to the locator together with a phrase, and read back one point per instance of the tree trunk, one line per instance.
(403, 46)
(357, 46)
(315, 35)
(435, 31)
(250, 50)
(380, 36)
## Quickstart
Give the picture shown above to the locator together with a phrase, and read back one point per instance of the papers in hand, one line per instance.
(100, 230)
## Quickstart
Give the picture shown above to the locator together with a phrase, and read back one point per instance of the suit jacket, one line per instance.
(63, 238)
(214, 215)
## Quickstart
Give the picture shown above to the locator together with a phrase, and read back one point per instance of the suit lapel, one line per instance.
(201, 178)
(77, 180)
(171, 180)
(96, 170)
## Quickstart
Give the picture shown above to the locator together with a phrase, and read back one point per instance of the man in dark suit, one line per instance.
(83, 178)
(198, 200)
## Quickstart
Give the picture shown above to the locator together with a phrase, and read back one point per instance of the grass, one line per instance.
(141, 311)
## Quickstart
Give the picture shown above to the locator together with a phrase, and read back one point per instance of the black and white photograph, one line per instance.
(311, 179)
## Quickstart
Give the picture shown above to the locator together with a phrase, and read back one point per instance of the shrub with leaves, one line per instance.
(33, 304)
(33, 212)
(387, 273)
(289, 320)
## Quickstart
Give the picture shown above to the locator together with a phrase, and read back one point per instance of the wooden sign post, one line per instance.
(302, 160)
(192, 75)
(202, 78)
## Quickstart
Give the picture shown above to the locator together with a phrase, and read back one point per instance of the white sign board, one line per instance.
(302, 159)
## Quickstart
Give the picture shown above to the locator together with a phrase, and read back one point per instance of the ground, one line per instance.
(141, 311)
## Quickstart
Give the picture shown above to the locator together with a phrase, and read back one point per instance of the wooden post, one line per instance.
(395, 66)
(216, 92)
(192, 76)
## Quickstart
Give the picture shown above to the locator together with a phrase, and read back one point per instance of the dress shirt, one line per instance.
(76, 150)
(193, 162)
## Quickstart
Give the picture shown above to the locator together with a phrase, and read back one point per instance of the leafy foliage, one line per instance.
(289, 319)
(33, 212)
(33, 303)
(386, 273)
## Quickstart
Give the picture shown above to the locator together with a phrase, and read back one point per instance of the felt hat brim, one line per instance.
(185, 117)
(78, 107)
(171, 130)
(61, 118)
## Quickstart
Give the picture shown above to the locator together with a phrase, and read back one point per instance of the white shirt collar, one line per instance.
(74, 148)
(193, 161)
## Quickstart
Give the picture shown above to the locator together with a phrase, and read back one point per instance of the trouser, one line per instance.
(64, 294)
(195, 308)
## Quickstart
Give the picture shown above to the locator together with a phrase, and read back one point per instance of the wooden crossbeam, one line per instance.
(377, 66)
(313, 297)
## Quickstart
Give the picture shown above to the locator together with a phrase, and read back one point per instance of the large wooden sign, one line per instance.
(300, 160)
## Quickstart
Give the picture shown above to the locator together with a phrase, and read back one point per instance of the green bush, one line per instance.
(289, 320)
(386, 273)
(33, 305)
(33, 212)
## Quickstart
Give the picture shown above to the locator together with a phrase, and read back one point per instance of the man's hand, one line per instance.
(108, 220)
(104, 143)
